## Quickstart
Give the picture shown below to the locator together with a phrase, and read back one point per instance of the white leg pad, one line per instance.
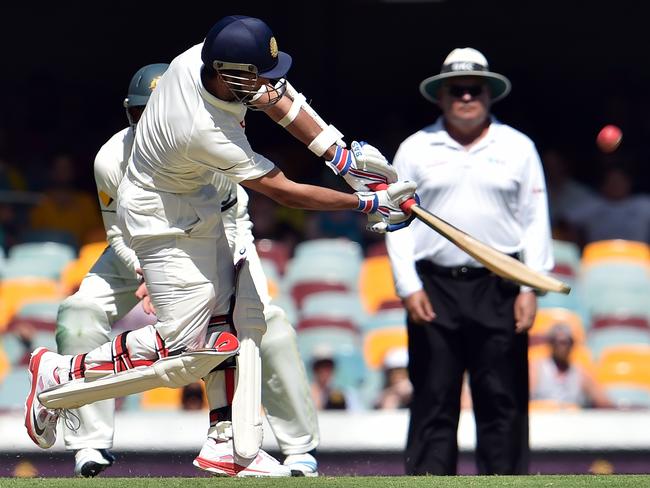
(171, 372)
(247, 401)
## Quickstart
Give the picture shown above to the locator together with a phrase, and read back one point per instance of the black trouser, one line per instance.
(473, 331)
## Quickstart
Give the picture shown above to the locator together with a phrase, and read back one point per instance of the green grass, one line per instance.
(545, 481)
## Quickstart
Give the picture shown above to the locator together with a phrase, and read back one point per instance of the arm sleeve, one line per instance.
(400, 244)
(108, 174)
(534, 217)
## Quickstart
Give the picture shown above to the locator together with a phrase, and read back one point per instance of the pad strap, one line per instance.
(77, 366)
(121, 357)
(293, 110)
(323, 141)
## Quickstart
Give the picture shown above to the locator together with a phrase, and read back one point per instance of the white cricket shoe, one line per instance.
(302, 464)
(219, 458)
(40, 421)
(90, 462)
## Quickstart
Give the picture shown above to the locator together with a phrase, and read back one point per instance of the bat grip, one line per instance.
(405, 206)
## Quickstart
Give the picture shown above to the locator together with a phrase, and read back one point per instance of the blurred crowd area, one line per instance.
(590, 349)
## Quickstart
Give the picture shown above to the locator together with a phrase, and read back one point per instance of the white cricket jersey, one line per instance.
(494, 191)
(110, 165)
(186, 134)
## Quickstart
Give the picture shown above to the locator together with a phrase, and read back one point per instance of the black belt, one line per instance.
(459, 272)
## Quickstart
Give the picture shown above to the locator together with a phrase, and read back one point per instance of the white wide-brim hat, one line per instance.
(465, 62)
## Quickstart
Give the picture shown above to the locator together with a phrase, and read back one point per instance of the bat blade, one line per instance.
(499, 263)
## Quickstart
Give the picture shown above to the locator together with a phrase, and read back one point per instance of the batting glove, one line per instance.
(362, 165)
(383, 207)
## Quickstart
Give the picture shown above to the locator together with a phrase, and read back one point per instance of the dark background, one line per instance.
(575, 66)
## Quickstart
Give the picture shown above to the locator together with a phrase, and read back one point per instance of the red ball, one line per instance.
(609, 138)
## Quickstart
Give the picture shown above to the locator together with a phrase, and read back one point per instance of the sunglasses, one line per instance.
(459, 91)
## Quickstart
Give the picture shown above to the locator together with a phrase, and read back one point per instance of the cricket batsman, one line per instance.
(169, 211)
(113, 286)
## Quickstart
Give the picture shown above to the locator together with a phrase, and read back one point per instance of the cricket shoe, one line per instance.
(219, 458)
(40, 421)
(90, 462)
(302, 464)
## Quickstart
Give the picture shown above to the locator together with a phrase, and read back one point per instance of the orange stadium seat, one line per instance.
(546, 318)
(162, 398)
(627, 365)
(378, 342)
(17, 292)
(74, 273)
(616, 250)
(5, 364)
(376, 284)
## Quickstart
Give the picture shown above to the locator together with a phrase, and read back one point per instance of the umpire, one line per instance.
(485, 178)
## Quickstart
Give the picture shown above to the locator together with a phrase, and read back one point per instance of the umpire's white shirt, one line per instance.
(494, 190)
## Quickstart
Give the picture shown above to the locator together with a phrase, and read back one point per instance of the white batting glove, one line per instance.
(383, 207)
(362, 165)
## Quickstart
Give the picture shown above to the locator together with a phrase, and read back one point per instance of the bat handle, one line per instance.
(405, 206)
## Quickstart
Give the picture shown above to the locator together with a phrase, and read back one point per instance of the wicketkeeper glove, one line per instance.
(383, 207)
(362, 165)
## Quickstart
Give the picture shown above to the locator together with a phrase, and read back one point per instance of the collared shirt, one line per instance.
(494, 191)
(186, 134)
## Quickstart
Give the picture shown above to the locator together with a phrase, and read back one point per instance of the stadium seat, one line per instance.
(339, 340)
(548, 317)
(5, 364)
(626, 364)
(339, 248)
(615, 288)
(376, 284)
(16, 293)
(45, 310)
(616, 250)
(14, 389)
(55, 251)
(274, 251)
(74, 273)
(49, 235)
(385, 319)
(300, 291)
(378, 342)
(161, 398)
(335, 304)
(598, 340)
(567, 259)
(625, 397)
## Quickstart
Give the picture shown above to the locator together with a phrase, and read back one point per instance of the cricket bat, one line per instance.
(499, 263)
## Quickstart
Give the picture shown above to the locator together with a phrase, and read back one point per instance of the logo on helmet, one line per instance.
(273, 45)
(154, 83)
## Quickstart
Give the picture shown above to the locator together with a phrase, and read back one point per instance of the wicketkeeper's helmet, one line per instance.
(143, 83)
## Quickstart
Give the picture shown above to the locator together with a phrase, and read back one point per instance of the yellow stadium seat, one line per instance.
(629, 365)
(74, 273)
(14, 293)
(378, 342)
(376, 284)
(5, 365)
(162, 398)
(616, 250)
(546, 318)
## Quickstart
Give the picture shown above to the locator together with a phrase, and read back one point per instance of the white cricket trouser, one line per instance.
(84, 321)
